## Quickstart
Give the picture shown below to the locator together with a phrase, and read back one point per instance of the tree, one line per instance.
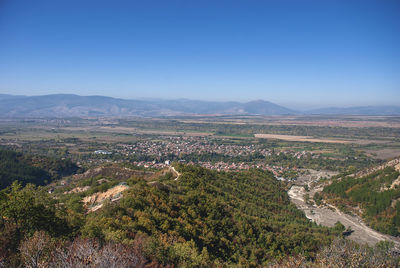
(36, 250)
(339, 227)
(24, 211)
(31, 209)
(89, 253)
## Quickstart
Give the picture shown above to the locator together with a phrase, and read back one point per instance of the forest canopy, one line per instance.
(25, 168)
(208, 217)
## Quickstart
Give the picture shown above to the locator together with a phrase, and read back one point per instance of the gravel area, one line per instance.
(328, 215)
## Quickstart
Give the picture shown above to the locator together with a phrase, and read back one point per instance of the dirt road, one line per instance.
(328, 216)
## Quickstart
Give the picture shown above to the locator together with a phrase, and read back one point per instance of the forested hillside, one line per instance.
(200, 218)
(15, 166)
(203, 218)
(210, 217)
(374, 196)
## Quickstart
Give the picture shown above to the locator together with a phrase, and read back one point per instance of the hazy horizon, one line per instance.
(296, 107)
(296, 54)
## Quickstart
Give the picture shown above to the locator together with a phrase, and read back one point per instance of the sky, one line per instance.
(296, 53)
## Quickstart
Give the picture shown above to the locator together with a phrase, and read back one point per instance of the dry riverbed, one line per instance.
(329, 215)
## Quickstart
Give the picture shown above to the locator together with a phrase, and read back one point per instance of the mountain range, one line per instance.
(69, 105)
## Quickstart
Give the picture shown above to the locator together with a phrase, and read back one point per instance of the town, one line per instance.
(208, 152)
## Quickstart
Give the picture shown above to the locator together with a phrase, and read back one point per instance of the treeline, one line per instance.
(374, 195)
(25, 168)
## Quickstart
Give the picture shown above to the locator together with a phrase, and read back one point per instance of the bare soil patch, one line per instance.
(298, 138)
(95, 201)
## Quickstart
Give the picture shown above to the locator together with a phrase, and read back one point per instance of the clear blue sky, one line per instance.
(296, 53)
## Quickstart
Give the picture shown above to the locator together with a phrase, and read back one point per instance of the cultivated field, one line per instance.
(298, 138)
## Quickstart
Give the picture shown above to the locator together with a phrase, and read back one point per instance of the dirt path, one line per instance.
(328, 216)
(175, 172)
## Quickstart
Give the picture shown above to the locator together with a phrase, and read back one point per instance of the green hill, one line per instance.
(15, 166)
(374, 196)
(208, 217)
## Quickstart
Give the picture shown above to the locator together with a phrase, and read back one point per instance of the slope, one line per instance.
(208, 217)
(373, 194)
(15, 166)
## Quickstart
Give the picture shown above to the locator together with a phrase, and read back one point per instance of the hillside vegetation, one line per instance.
(374, 196)
(210, 217)
(15, 166)
(204, 218)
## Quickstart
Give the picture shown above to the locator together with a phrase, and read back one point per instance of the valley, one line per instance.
(202, 191)
(222, 134)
